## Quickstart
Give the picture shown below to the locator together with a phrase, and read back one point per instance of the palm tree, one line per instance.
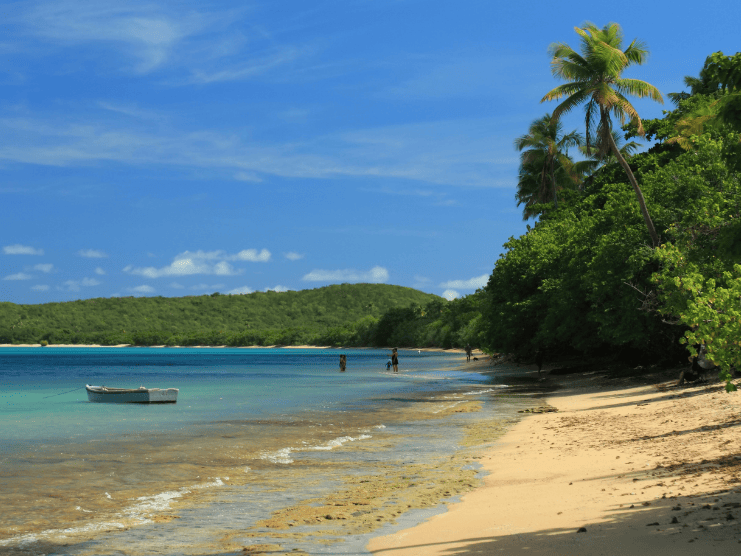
(594, 79)
(544, 158)
(604, 155)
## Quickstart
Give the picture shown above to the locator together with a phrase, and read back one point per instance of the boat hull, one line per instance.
(103, 394)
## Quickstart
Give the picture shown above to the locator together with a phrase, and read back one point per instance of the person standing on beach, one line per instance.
(468, 353)
(343, 363)
(395, 360)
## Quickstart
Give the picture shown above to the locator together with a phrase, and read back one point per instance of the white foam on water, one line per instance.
(138, 514)
(283, 455)
(448, 407)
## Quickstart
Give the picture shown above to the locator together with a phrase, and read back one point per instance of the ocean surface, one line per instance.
(271, 448)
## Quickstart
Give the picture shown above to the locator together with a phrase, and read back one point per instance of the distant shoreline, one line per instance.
(476, 352)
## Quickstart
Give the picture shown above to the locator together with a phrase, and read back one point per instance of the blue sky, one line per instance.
(180, 148)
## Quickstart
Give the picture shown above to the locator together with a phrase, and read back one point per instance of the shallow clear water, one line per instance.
(253, 430)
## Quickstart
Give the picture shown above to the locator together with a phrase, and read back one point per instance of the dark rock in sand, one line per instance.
(582, 530)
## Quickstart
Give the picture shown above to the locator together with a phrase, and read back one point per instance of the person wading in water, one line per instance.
(343, 363)
(395, 360)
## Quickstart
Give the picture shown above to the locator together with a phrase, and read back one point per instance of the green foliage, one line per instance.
(584, 280)
(260, 318)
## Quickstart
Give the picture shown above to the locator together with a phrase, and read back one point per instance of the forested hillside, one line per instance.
(256, 318)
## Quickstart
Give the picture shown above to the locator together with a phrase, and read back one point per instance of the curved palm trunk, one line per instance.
(553, 184)
(639, 193)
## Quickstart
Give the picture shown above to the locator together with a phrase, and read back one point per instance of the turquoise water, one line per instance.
(215, 384)
(253, 431)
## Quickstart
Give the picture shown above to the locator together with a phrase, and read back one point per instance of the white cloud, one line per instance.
(377, 274)
(99, 271)
(242, 290)
(141, 289)
(278, 289)
(293, 256)
(251, 255)
(19, 249)
(177, 286)
(47, 267)
(92, 253)
(450, 295)
(472, 284)
(202, 262)
(40, 288)
(19, 276)
(75, 285)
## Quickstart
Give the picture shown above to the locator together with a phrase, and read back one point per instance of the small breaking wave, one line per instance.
(138, 514)
(283, 455)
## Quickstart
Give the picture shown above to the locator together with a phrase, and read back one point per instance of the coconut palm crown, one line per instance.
(594, 80)
(544, 163)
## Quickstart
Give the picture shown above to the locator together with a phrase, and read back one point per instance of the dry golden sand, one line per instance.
(648, 469)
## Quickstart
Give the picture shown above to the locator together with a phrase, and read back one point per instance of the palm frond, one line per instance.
(637, 52)
(639, 89)
(570, 103)
(567, 89)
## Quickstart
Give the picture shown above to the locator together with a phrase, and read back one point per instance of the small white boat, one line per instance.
(106, 394)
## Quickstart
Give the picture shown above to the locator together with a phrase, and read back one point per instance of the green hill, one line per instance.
(256, 318)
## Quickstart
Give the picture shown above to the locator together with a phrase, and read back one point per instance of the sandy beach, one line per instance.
(624, 466)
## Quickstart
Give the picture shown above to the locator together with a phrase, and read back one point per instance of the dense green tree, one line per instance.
(595, 80)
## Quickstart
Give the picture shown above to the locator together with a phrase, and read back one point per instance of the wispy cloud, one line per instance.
(40, 288)
(177, 286)
(76, 285)
(92, 253)
(250, 177)
(18, 276)
(454, 152)
(293, 256)
(19, 249)
(251, 68)
(472, 284)
(202, 262)
(141, 289)
(99, 271)
(131, 110)
(145, 32)
(375, 275)
(202, 46)
(206, 287)
(46, 267)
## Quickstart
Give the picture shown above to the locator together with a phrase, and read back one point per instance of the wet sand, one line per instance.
(621, 467)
